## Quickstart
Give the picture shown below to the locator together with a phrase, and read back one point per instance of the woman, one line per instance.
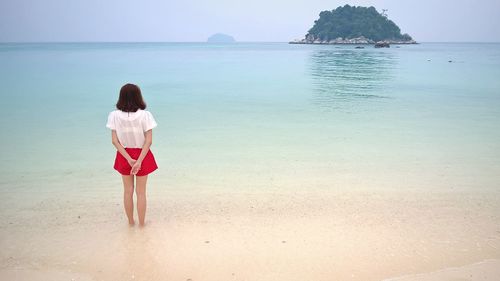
(132, 135)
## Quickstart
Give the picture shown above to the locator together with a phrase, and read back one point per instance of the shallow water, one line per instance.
(256, 115)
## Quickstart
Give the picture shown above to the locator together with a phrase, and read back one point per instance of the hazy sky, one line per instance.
(249, 20)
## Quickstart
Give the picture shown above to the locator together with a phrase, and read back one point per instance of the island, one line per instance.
(355, 25)
(221, 38)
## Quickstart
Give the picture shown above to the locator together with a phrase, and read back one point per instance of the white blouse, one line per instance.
(131, 126)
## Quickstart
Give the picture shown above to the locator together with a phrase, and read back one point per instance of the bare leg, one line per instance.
(128, 197)
(140, 191)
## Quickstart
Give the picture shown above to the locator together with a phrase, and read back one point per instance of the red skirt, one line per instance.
(148, 163)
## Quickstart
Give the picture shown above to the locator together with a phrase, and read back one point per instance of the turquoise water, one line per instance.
(256, 115)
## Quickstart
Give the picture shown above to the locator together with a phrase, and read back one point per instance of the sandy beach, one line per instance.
(262, 235)
(485, 270)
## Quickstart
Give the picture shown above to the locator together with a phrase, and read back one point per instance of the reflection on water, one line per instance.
(347, 75)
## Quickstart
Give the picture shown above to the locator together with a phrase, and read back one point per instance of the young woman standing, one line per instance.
(132, 135)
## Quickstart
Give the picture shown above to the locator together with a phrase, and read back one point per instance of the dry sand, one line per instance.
(488, 270)
(271, 235)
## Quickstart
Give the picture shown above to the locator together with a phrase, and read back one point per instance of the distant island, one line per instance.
(221, 38)
(354, 25)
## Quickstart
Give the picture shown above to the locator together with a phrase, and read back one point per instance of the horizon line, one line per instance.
(236, 42)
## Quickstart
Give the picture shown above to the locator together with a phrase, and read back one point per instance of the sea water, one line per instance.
(255, 116)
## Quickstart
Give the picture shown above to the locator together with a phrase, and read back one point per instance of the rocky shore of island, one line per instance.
(310, 39)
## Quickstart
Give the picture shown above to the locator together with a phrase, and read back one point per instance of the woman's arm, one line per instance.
(148, 140)
(119, 147)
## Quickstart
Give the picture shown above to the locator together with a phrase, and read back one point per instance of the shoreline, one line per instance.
(352, 41)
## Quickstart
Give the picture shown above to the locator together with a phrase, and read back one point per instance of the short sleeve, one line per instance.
(148, 122)
(111, 121)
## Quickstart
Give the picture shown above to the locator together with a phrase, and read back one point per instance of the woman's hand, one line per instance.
(131, 162)
(135, 168)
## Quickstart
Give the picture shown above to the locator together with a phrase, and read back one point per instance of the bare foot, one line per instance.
(142, 224)
(131, 223)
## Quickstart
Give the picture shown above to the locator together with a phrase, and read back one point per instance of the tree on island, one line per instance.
(352, 22)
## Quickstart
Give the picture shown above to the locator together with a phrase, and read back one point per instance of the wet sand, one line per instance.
(262, 235)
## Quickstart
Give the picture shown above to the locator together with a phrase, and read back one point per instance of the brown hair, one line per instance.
(130, 99)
